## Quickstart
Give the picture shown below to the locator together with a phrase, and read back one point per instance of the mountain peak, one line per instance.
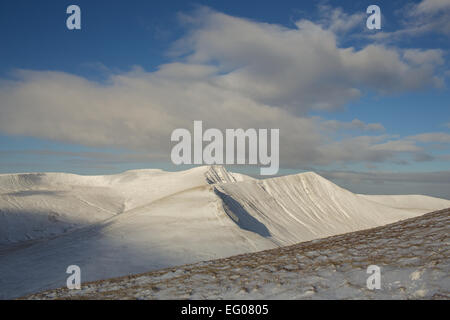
(219, 174)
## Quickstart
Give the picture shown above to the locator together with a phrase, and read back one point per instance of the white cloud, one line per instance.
(298, 69)
(431, 6)
(371, 149)
(428, 16)
(137, 110)
(431, 137)
(436, 184)
(355, 124)
(229, 72)
(424, 57)
(338, 21)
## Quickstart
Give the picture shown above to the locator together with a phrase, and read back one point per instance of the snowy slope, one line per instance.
(155, 219)
(412, 256)
(410, 202)
(306, 206)
(39, 205)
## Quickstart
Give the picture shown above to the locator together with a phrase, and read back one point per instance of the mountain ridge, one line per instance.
(160, 219)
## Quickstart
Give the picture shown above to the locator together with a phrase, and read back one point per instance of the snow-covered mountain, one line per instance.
(150, 219)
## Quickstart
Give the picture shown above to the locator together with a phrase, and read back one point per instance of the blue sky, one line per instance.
(76, 100)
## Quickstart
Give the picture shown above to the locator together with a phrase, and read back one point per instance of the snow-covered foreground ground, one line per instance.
(150, 219)
(413, 256)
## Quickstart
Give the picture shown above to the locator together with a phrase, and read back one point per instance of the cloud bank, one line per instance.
(231, 72)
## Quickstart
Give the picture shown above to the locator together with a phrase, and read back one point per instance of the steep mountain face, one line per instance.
(306, 206)
(150, 219)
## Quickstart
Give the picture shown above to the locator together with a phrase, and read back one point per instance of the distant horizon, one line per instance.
(251, 173)
(366, 108)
